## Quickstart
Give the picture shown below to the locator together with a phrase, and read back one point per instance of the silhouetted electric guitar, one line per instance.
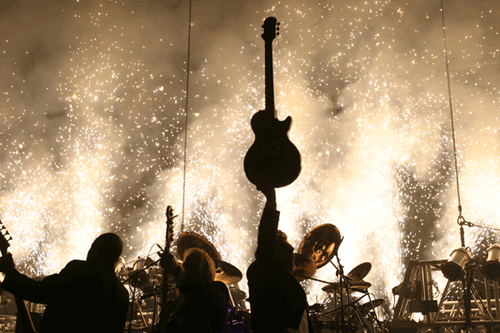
(23, 314)
(272, 159)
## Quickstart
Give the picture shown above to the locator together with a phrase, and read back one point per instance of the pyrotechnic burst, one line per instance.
(93, 113)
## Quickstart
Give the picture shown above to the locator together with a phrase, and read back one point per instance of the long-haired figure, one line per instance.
(202, 305)
(86, 296)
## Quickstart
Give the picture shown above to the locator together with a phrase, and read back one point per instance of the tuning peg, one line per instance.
(170, 233)
(277, 34)
(277, 23)
(263, 26)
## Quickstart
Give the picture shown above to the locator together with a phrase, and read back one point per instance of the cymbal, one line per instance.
(321, 244)
(359, 286)
(303, 266)
(358, 282)
(366, 307)
(189, 240)
(227, 273)
(331, 288)
(359, 272)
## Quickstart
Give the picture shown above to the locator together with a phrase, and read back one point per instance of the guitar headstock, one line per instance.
(271, 29)
(170, 215)
(5, 237)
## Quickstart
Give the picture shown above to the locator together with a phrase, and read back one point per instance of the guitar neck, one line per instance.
(24, 316)
(269, 74)
(168, 241)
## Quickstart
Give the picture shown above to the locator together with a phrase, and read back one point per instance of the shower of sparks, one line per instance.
(93, 128)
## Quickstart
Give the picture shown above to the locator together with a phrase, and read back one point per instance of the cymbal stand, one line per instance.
(343, 280)
(374, 313)
(131, 278)
(132, 310)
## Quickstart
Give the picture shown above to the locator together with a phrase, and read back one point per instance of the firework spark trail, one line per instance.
(92, 137)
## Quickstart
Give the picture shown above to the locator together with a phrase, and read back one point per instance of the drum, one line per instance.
(239, 297)
(238, 321)
(120, 266)
(139, 277)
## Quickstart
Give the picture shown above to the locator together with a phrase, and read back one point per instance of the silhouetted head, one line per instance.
(105, 249)
(199, 263)
(284, 252)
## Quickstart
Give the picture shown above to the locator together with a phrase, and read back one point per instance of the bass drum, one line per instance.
(239, 316)
(140, 277)
(238, 321)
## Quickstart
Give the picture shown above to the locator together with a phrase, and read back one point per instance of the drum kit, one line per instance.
(342, 310)
(144, 278)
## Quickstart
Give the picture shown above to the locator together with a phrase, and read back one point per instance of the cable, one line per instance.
(186, 119)
(451, 113)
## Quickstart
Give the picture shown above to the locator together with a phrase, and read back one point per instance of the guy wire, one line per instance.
(451, 111)
(186, 119)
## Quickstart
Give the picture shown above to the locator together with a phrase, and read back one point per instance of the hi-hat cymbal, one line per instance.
(321, 244)
(303, 266)
(360, 272)
(227, 273)
(359, 286)
(366, 307)
(355, 280)
(332, 287)
(188, 240)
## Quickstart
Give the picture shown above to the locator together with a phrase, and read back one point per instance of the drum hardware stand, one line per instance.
(134, 300)
(374, 314)
(153, 294)
(343, 279)
(341, 306)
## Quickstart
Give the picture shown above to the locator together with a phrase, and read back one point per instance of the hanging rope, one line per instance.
(460, 217)
(186, 119)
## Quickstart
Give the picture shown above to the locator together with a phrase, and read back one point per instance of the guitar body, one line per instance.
(272, 159)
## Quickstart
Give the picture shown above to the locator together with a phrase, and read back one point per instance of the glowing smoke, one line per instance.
(93, 103)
